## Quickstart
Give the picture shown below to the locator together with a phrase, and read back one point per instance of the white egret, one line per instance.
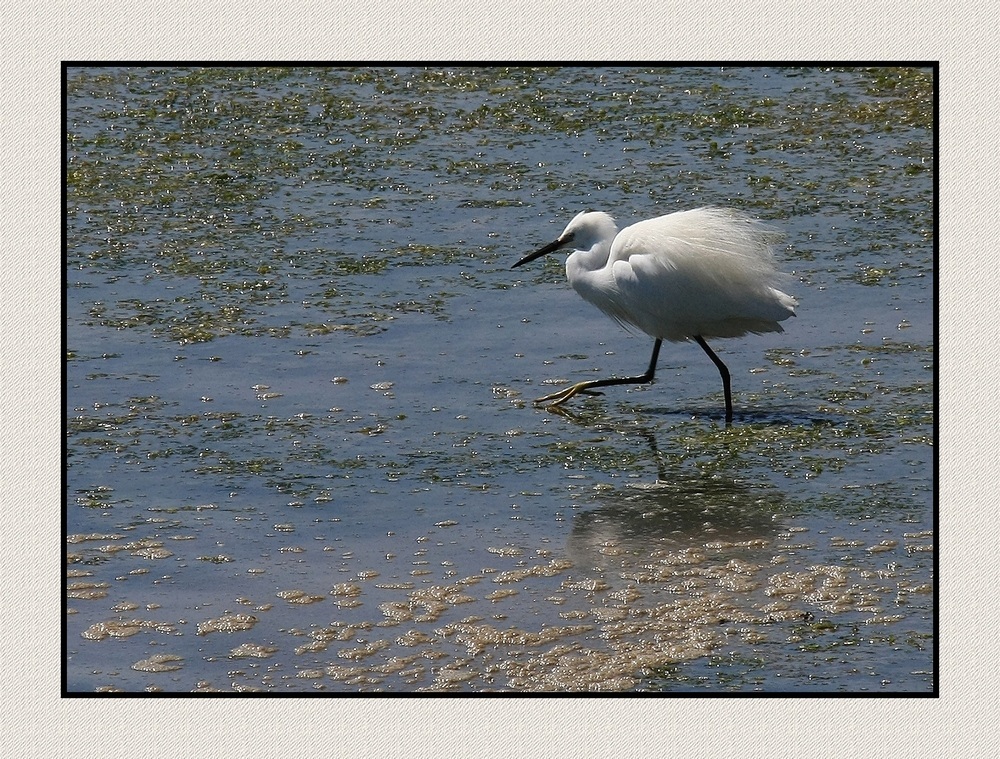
(690, 275)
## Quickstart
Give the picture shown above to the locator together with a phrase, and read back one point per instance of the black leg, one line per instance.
(640, 380)
(588, 387)
(725, 376)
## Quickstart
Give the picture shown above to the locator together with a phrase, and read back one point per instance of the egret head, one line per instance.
(583, 232)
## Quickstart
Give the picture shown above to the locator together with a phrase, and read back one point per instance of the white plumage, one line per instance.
(708, 272)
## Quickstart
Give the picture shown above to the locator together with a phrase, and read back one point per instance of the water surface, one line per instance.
(301, 450)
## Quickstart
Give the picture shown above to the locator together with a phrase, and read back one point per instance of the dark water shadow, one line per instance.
(773, 415)
(595, 411)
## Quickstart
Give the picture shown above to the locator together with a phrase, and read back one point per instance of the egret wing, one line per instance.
(705, 272)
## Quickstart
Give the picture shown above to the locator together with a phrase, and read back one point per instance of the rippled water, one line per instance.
(301, 452)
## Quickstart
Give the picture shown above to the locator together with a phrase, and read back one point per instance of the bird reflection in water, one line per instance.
(681, 509)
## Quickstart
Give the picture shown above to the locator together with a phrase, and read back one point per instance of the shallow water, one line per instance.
(301, 454)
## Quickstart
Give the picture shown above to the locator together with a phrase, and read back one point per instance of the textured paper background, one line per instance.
(36, 36)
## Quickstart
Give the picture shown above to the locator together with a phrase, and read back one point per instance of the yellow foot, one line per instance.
(557, 399)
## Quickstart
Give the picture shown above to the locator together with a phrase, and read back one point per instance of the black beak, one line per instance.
(554, 245)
